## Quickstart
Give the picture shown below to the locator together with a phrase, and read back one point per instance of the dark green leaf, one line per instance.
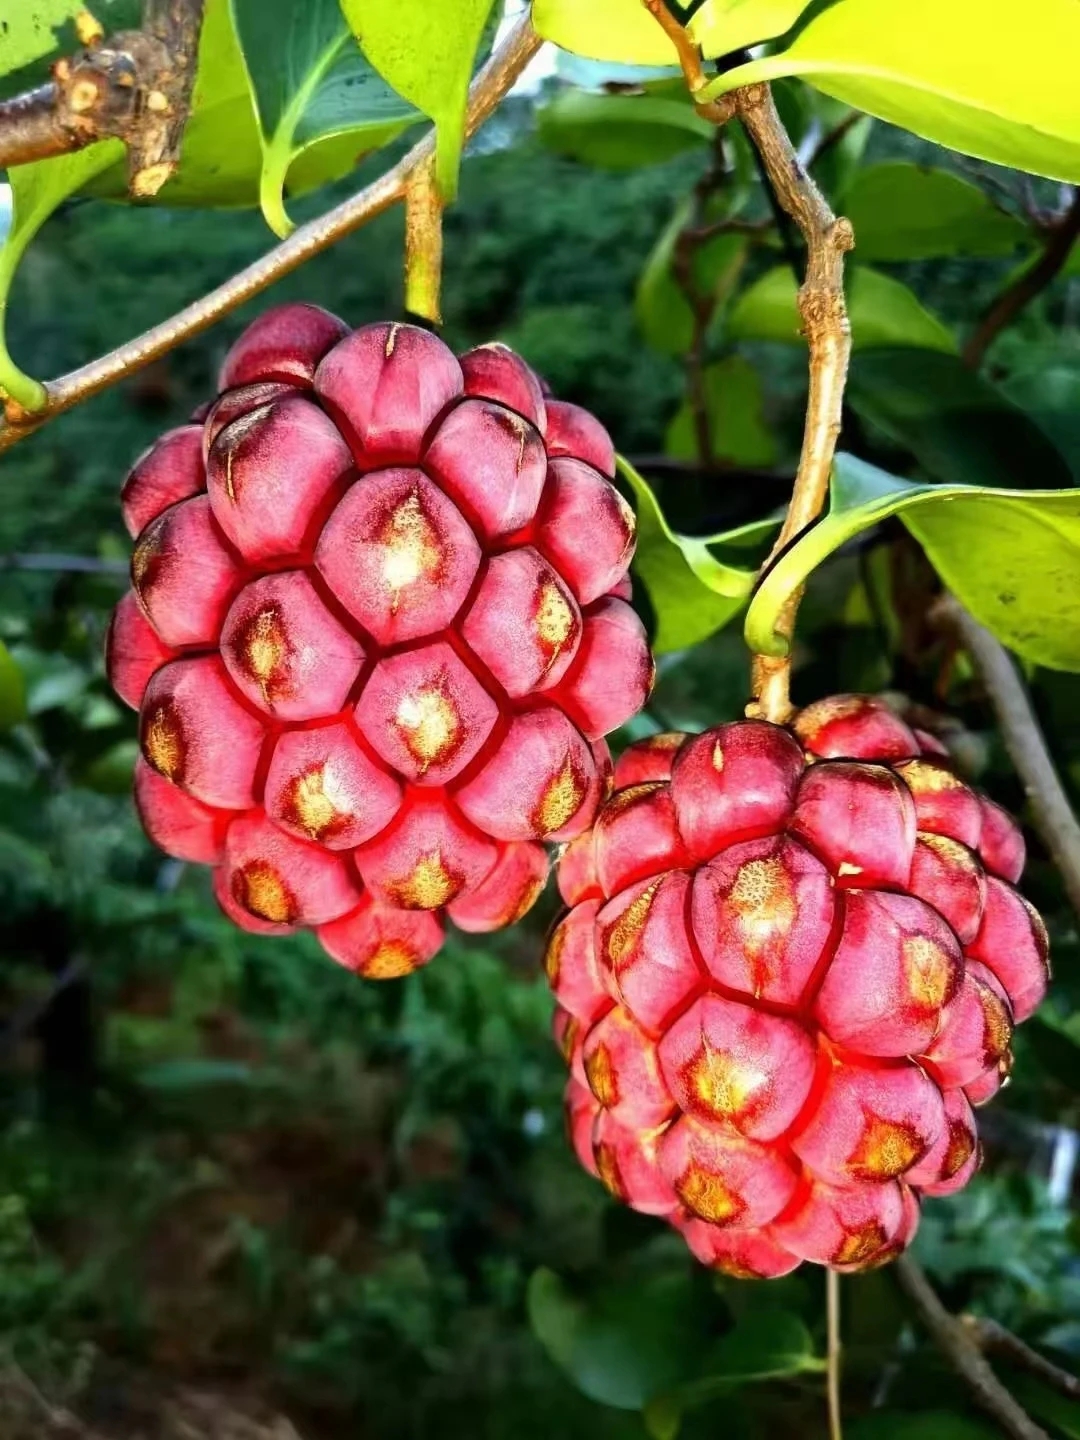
(426, 53)
(110, 774)
(1046, 1405)
(619, 132)
(623, 1345)
(1049, 392)
(959, 427)
(882, 311)
(902, 211)
(734, 404)
(1011, 556)
(310, 82)
(998, 82)
(692, 593)
(51, 680)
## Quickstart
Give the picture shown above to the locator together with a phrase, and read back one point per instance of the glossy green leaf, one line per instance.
(12, 691)
(734, 405)
(426, 53)
(36, 191)
(623, 30)
(692, 592)
(31, 29)
(620, 132)
(622, 1345)
(1011, 556)
(1048, 390)
(882, 312)
(310, 82)
(958, 426)
(902, 211)
(989, 78)
(661, 308)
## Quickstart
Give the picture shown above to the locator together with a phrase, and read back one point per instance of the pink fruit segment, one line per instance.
(579, 502)
(286, 652)
(270, 473)
(386, 384)
(171, 470)
(380, 627)
(494, 372)
(492, 464)
(133, 651)
(284, 344)
(789, 970)
(381, 943)
(177, 824)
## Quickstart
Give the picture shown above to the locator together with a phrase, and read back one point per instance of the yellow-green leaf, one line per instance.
(990, 78)
(692, 593)
(623, 30)
(881, 309)
(1011, 556)
(426, 52)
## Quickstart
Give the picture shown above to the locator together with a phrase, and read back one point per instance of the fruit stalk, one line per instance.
(423, 244)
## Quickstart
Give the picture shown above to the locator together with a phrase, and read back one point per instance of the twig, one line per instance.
(994, 1339)
(1061, 234)
(828, 336)
(960, 1349)
(423, 244)
(134, 87)
(1024, 740)
(833, 1353)
(824, 318)
(492, 83)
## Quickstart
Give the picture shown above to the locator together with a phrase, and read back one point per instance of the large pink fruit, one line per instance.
(791, 966)
(377, 633)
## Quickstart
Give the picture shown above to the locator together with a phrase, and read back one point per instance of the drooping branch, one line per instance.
(1060, 235)
(958, 1346)
(994, 1339)
(824, 318)
(492, 83)
(134, 87)
(1050, 808)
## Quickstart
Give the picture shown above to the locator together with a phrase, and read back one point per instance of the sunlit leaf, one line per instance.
(426, 53)
(902, 211)
(989, 78)
(620, 132)
(624, 30)
(1011, 556)
(882, 312)
(692, 592)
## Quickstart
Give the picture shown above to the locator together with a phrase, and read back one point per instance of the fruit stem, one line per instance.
(833, 1353)
(423, 244)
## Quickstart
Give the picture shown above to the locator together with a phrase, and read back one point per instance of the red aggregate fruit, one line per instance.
(791, 965)
(378, 628)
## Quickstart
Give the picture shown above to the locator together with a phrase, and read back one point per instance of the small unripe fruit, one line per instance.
(792, 964)
(378, 628)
